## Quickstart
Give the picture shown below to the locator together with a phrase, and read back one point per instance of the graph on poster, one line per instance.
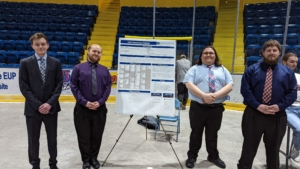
(146, 77)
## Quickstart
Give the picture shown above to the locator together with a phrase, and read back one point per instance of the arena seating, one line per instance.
(67, 27)
(264, 21)
(169, 22)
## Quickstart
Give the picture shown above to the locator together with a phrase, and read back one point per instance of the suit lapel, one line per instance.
(35, 65)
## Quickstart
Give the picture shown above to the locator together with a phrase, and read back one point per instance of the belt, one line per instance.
(209, 105)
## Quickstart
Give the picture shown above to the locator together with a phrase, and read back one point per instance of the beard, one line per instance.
(92, 59)
(271, 61)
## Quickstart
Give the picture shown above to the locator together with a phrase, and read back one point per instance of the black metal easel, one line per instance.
(146, 139)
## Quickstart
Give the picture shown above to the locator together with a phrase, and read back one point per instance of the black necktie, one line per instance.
(94, 80)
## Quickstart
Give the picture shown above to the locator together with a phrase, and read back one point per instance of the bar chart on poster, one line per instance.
(146, 77)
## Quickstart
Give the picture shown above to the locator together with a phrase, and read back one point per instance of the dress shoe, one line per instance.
(86, 166)
(95, 163)
(53, 167)
(190, 163)
(218, 162)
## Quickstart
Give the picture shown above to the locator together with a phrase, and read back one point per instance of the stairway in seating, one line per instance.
(224, 36)
(105, 30)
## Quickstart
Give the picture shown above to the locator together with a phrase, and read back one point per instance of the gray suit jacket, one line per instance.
(31, 85)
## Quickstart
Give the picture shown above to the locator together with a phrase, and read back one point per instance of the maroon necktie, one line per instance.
(267, 94)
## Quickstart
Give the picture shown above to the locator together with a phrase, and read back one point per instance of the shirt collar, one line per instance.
(90, 63)
(38, 57)
(266, 66)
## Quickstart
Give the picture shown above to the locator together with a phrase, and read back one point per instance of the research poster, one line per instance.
(146, 77)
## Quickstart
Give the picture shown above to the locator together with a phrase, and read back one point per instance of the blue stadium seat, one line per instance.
(296, 50)
(62, 57)
(66, 46)
(8, 45)
(252, 60)
(292, 39)
(2, 56)
(77, 47)
(253, 50)
(251, 29)
(278, 37)
(73, 58)
(14, 35)
(4, 34)
(251, 39)
(28, 46)
(52, 54)
(25, 54)
(288, 48)
(20, 45)
(277, 29)
(55, 46)
(293, 28)
(263, 38)
(12, 56)
(264, 29)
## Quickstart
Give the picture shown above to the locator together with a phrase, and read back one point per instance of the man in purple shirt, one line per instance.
(90, 85)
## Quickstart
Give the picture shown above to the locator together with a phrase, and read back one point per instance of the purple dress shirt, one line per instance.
(81, 83)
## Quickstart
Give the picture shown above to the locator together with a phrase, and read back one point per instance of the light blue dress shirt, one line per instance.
(198, 75)
(39, 61)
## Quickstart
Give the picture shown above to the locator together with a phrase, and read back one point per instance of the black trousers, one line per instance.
(89, 125)
(210, 118)
(34, 124)
(255, 125)
(182, 93)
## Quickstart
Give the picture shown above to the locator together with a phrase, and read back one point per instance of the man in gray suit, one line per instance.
(182, 66)
(40, 81)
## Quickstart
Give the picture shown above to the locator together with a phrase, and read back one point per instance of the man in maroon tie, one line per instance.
(268, 89)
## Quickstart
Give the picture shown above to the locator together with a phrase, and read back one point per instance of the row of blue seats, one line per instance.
(78, 29)
(167, 9)
(274, 20)
(4, 65)
(184, 27)
(48, 19)
(26, 5)
(271, 29)
(51, 12)
(292, 39)
(271, 12)
(210, 17)
(163, 24)
(15, 56)
(165, 13)
(52, 36)
(270, 5)
(255, 50)
(55, 46)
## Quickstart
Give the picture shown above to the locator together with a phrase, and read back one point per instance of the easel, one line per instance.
(146, 139)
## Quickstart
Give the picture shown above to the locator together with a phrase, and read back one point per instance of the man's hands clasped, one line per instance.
(265, 109)
(92, 105)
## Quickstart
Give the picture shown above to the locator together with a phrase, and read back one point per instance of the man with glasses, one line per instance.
(209, 83)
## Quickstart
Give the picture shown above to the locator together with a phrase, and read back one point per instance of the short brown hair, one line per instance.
(270, 43)
(217, 60)
(38, 35)
(287, 56)
(90, 46)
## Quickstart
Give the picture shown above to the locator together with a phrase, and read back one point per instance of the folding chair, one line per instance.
(175, 119)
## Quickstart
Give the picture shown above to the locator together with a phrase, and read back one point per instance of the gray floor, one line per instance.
(132, 150)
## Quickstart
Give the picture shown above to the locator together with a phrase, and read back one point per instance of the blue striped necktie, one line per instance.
(211, 80)
(43, 69)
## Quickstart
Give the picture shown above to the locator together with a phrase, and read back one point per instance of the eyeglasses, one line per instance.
(208, 53)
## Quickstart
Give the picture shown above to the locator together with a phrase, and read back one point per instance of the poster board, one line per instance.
(146, 77)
